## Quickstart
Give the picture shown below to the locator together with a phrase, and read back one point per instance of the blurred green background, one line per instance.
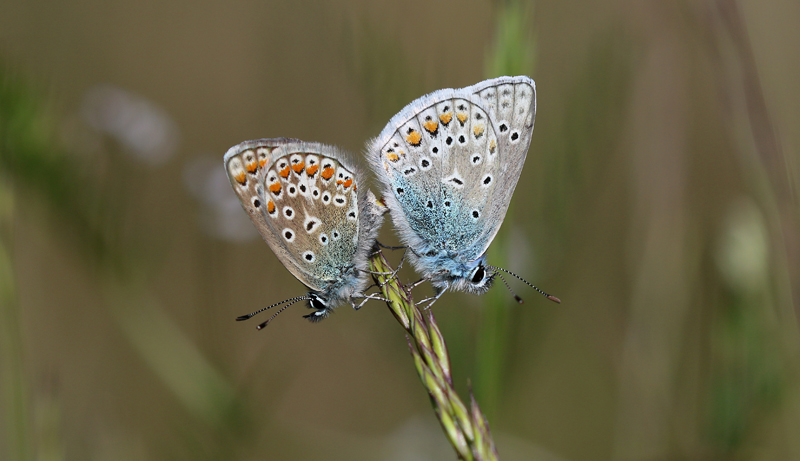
(659, 202)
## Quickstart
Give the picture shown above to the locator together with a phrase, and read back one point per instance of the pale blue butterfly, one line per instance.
(309, 203)
(449, 163)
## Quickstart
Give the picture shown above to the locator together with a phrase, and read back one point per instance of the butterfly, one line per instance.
(308, 202)
(448, 164)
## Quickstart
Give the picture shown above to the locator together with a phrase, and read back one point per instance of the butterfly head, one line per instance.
(320, 305)
(478, 280)
(473, 277)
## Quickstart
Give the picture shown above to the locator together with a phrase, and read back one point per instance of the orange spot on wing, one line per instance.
(446, 117)
(327, 173)
(312, 170)
(339, 182)
(284, 172)
(275, 187)
(298, 167)
(392, 156)
(414, 138)
(431, 126)
(478, 130)
(240, 178)
(492, 146)
(462, 117)
(348, 183)
(252, 167)
(271, 206)
(262, 162)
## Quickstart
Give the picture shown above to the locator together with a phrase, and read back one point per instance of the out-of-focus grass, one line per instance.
(16, 413)
(33, 160)
(746, 381)
(383, 71)
(756, 337)
(21, 125)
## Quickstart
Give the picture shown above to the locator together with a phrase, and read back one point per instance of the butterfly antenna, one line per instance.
(519, 300)
(550, 297)
(292, 300)
(264, 324)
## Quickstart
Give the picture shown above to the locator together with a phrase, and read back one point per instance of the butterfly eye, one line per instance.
(317, 303)
(478, 276)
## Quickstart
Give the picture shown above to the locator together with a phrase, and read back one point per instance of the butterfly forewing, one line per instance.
(510, 104)
(245, 164)
(451, 161)
(308, 210)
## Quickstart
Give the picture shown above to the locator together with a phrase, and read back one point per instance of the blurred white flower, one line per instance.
(743, 250)
(222, 215)
(141, 127)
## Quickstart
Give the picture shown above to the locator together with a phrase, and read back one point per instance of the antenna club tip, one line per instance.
(554, 299)
(242, 317)
(519, 300)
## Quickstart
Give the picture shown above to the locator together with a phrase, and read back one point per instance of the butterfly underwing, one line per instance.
(309, 203)
(448, 164)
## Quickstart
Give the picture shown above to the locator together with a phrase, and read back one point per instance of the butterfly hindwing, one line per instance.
(313, 209)
(476, 140)
(305, 201)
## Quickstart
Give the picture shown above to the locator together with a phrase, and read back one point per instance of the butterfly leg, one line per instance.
(419, 282)
(433, 299)
(377, 273)
(367, 298)
(394, 273)
(389, 247)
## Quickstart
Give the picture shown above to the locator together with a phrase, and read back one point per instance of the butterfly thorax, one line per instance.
(341, 290)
